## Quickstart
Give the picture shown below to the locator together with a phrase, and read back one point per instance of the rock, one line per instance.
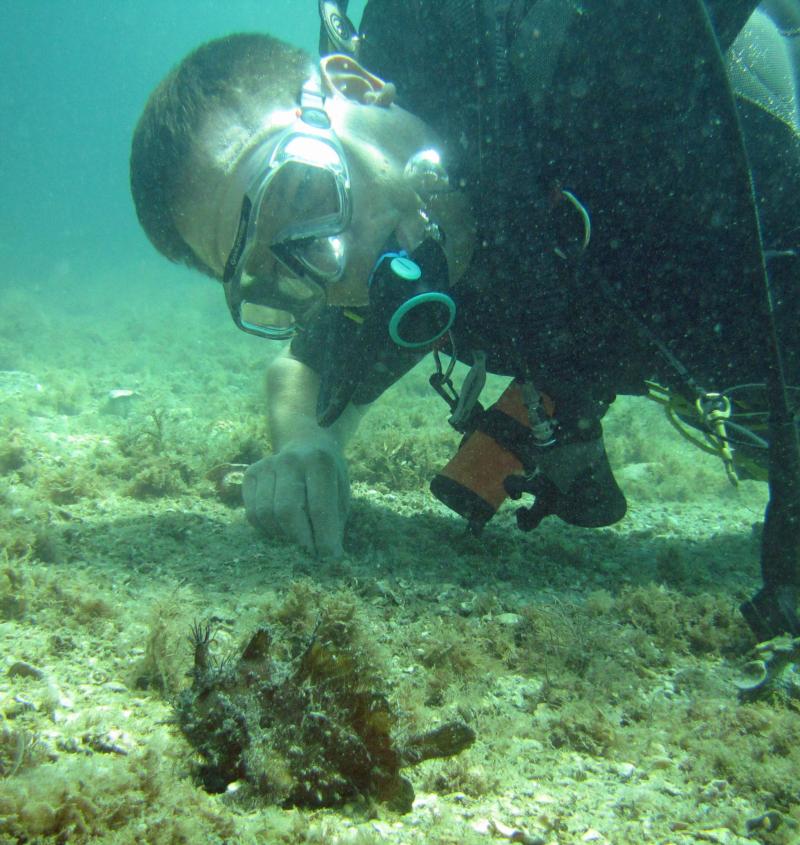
(511, 620)
(626, 771)
(21, 669)
(119, 402)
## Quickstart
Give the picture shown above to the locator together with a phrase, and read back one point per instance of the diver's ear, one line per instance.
(343, 76)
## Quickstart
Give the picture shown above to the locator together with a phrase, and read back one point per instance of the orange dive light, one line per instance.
(471, 484)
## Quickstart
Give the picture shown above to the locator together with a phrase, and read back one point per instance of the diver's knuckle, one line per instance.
(262, 519)
(284, 508)
(295, 469)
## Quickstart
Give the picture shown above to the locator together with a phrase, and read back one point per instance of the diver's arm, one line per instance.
(302, 491)
(292, 389)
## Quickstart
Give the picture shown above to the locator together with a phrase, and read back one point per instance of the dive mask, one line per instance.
(302, 197)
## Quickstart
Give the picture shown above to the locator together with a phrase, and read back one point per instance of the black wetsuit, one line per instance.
(657, 164)
(694, 198)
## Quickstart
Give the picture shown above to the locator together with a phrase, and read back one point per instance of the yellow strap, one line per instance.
(355, 317)
(714, 436)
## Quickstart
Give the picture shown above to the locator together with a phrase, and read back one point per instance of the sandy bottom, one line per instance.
(597, 668)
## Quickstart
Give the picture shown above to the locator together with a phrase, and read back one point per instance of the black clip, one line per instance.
(546, 498)
(443, 385)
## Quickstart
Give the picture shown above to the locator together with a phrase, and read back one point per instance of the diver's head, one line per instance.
(206, 112)
(285, 180)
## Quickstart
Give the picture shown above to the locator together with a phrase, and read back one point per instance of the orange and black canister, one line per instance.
(472, 483)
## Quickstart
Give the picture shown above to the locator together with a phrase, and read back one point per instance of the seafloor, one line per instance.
(597, 667)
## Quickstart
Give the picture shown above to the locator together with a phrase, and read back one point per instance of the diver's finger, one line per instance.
(258, 491)
(343, 482)
(324, 507)
(289, 507)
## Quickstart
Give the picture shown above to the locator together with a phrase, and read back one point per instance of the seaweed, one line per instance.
(307, 730)
(19, 749)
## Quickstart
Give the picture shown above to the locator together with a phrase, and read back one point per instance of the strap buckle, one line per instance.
(465, 405)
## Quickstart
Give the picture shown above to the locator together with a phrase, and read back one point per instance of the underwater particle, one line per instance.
(303, 731)
(775, 671)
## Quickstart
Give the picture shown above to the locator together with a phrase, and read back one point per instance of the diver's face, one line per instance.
(376, 142)
(317, 229)
(310, 225)
(376, 216)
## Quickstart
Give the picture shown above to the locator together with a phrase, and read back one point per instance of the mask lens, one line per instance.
(324, 258)
(265, 320)
(305, 205)
(292, 213)
(302, 200)
(301, 292)
(274, 306)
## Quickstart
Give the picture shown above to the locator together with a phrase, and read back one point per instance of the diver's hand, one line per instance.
(303, 493)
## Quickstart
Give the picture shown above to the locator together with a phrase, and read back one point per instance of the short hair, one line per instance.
(225, 75)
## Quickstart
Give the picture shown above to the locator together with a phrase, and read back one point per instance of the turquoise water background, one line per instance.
(75, 76)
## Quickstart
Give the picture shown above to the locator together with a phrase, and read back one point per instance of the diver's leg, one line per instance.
(773, 610)
(763, 70)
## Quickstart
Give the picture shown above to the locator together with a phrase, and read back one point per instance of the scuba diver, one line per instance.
(592, 199)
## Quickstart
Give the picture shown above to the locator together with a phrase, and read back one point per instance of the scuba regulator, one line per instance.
(409, 310)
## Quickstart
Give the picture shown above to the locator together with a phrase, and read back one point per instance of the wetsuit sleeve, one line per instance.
(310, 346)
